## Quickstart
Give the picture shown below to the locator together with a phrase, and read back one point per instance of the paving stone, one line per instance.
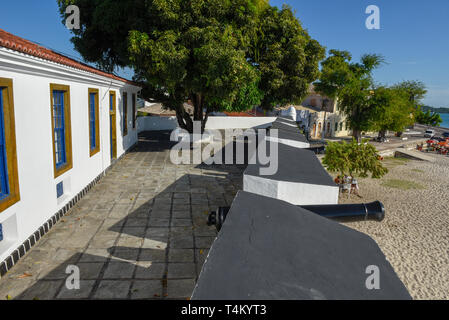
(155, 222)
(119, 211)
(150, 270)
(183, 202)
(128, 214)
(131, 241)
(180, 255)
(138, 232)
(99, 242)
(134, 222)
(181, 223)
(154, 243)
(181, 270)
(53, 272)
(115, 223)
(113, 289)
(41, 290)
(181, 242)
(83, 292)
(158, 233)
(124, 253)
(89, 270)
(205, 231)
(201, 255)
(152, 255)
(95, 255)
(66, 255)
(146, 289)
(204, 242)
(181, 214)
(119, 270)
(13, 288)
(160, 214)
(180, 289)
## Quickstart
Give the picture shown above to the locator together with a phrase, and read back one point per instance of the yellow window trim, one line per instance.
(10, 141)
(67, 126)
(134, 110)
(125, 113)
(97, 121)
(112, 114)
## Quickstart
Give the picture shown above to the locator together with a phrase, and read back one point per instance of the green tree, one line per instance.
(416, 90)
(353, 159)
(392, 110)
(222, 55)
(286, 56)
(352, 85)
(427, 118)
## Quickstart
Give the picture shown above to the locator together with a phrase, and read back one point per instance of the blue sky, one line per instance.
(413, 36)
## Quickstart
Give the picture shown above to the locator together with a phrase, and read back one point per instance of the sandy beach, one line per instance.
(415, 233)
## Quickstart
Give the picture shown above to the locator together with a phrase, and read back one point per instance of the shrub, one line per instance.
(354, 159)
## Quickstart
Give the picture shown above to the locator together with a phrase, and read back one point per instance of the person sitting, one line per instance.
(355, 187)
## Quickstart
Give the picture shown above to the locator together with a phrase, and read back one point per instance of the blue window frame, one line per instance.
(92, 121)
(59, 128)
(4, 181)
(111, 109)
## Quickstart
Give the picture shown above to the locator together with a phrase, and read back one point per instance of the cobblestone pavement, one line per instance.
(140, 233)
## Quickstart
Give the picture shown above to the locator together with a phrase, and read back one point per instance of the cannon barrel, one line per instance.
(374, 210)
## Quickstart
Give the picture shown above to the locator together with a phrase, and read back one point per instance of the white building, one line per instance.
(62, 124)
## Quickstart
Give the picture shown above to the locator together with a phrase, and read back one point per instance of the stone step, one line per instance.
(412, 154)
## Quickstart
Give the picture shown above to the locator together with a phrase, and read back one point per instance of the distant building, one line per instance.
(321, 117)
(327, 121)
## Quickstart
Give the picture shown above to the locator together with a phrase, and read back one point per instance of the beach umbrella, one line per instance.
(271, 249)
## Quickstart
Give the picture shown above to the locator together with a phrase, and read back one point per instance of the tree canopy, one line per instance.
(427, 118)
(222, 55)
(351, 83)
(392, 110)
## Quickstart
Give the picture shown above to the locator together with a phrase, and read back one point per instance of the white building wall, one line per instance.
(31, 87)
(154, 123)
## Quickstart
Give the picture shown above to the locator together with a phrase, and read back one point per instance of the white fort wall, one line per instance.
(31, 88)
(154, 123)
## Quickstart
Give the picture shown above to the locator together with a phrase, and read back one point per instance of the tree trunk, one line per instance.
(185, 120)
(357, 134)
(198, 114)
(382, 134)
(183, 117)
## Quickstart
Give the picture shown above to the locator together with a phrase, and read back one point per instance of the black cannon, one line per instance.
(369, 211)
(217, 218)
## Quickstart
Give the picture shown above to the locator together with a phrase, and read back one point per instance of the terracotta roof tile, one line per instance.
(10, 41)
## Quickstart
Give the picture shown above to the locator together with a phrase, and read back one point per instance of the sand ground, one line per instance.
(415, 233)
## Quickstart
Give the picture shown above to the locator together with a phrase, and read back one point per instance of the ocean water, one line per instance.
(445, 117)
